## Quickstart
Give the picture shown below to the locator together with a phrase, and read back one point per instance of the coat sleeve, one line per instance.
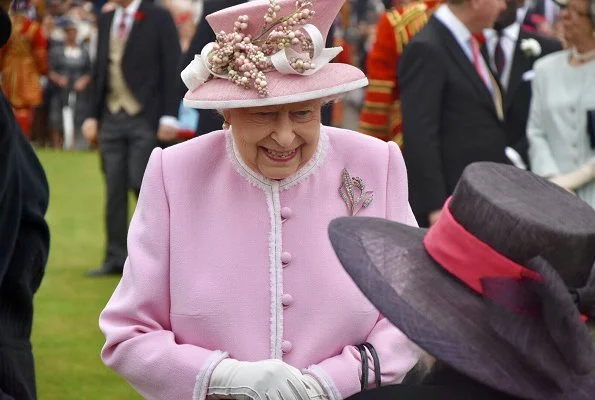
(421, 82)
(340, 375)
(140, 345)
(11, 203)
(170, 57)
(540, 153)
(97, 97)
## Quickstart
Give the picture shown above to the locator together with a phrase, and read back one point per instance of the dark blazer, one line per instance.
(24, 246)
(517, 96)
(442, 384)
(209, 120)
(149, 65)
(449, 117)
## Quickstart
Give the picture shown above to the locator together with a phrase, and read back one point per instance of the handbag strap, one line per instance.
(377, 376)
(364, 358)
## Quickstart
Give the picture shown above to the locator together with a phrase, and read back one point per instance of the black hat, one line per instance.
(490, 289)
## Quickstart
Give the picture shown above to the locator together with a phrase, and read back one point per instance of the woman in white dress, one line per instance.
(561, 138)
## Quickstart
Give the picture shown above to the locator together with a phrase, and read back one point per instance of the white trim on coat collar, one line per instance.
(263, 182)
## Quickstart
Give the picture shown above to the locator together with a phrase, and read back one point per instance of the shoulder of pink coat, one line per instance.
(198, 151)
(355, 144)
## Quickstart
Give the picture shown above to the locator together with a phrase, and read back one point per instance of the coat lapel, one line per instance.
(520, 65)
(136, 31)
(106, 33)
(461, 59)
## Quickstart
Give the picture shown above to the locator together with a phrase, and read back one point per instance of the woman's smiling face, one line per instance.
(276, 140)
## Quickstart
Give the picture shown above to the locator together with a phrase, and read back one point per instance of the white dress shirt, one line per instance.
(510, 35)
(462, 35)
(130, 15)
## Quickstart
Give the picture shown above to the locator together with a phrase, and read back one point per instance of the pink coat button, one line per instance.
(286, 346)
(286, 213)
(285, 257)
(287, 299)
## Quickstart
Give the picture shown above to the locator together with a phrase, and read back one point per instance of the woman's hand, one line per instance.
(576, 179)
(59, 80)
(261, 380)
(81, 83)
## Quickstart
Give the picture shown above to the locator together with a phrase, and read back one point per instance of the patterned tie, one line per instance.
(499, 56)
(477, 62)
(487, 78)
(122, 31)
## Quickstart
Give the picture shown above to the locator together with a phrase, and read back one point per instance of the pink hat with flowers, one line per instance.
(269, 52)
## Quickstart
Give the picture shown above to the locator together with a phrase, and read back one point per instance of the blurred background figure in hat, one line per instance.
(24, 240)
(561, 128)
(494, 290)
(70, 73)
(23, 60)
(231, 288)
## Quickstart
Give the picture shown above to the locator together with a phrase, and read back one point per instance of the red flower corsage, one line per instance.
(139, 16)
(481, 39)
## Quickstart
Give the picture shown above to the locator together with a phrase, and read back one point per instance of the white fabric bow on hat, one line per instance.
(199, 71)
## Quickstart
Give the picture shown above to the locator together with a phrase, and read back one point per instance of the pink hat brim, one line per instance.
(331, 80)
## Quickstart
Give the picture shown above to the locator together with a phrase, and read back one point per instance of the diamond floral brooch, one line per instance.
(354, 194)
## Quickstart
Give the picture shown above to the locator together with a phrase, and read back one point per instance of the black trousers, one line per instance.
(125, 144)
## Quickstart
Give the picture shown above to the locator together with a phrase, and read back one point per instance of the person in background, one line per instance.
(70, 73)
(512, 51)
(497, 292)
(561, 128)
(231, 289)
(381, 113)
(23, 61)
(134, 104)
(452, 105)
(24, 244)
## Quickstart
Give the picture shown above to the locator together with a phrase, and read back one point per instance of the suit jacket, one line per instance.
(24, 246)
(517, 97)
(449, 117)
(209, 120)
(149, 64)
(224, 262)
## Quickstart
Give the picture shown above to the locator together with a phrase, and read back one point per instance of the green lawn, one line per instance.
(66, 337)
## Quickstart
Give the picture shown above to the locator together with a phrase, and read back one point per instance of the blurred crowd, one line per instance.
(46, 68)
(47, 73)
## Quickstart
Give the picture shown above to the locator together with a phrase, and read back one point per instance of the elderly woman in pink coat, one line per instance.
(231, 289)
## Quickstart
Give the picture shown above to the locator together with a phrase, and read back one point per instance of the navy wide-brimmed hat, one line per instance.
(496, 288)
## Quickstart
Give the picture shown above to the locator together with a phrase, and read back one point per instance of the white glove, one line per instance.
(262, 380)
(577, 178)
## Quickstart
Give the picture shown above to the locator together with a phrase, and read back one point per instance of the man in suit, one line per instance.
(24, 245)
(134, 103)
(513, 66)
(451, 103)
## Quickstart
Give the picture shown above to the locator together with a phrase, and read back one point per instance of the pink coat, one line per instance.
(226, 263)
